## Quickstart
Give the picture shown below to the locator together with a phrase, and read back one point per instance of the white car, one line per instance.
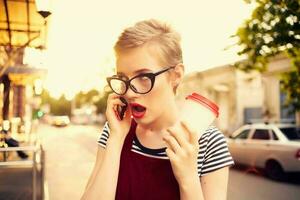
(273, 147)
(60, 121)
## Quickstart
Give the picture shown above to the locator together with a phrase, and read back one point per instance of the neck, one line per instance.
(165, 120)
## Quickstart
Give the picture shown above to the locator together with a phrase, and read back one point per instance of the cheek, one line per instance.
(159, 96)
(163, 86)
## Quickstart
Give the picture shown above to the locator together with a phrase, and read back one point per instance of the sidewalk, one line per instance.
(70, 154)
(16, 178)
(16, 183)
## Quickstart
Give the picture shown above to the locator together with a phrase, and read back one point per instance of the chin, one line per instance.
(144, 120)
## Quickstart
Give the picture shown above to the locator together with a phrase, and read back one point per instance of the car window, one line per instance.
(274, 135)
(243, 135)
(291, 133)
(261, 134)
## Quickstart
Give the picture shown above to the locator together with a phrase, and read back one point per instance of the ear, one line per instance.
(178, 74)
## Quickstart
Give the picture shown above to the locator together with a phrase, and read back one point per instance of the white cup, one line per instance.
(198, 112)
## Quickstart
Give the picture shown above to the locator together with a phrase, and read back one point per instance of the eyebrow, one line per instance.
(135, 72)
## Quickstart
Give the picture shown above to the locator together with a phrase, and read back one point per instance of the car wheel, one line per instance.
(274, 170)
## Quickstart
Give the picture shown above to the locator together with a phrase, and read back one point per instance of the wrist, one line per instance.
(191, 189)
(116, 140)
(189, 182)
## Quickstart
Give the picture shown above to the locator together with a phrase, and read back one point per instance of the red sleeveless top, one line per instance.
(144, 178)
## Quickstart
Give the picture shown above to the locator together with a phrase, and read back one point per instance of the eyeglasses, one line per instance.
(140, 84)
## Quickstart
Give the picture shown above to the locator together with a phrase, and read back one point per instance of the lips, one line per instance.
(138, 111)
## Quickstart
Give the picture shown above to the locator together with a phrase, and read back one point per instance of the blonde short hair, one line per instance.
(155, 33)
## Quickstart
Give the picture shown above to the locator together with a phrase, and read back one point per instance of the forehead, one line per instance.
(137, 60)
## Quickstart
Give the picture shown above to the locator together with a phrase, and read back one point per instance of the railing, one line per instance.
(38, 160)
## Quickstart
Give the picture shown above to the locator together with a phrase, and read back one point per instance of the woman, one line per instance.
(143, 156)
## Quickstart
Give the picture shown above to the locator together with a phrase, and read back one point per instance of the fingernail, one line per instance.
(116, 113)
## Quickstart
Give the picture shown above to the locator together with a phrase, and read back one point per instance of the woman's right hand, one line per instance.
(118, 128)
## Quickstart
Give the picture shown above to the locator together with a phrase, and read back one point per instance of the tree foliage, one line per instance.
(62, 106)
(92, 97)
(273, 29)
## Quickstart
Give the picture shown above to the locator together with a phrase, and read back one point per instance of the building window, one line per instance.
(252, 115)
(287, 113)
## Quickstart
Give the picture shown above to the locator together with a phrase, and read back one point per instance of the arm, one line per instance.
(191, 190)
(183, 152)
(100, 155)
(103, 181)
(214, 184)
(183, 157)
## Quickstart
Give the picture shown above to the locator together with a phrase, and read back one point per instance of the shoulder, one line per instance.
(104, 135)
(215, 151)
(211, 134)
(212, 139)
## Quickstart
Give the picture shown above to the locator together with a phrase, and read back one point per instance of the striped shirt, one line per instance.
(213, 151)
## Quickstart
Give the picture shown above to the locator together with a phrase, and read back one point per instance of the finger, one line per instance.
(115, 101)
(193, 136)
(178, 135)
(127, 115)
(112, 106)
(170, 154)
(165, 133)
(167, 145)
(112, 96)
(172, 142)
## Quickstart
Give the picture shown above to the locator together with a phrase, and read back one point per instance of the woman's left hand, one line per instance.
(182, 150)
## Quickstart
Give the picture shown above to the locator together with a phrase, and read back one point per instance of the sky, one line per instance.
(81, 35)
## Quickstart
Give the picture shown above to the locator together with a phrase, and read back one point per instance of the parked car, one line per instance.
(273, 147)
(60, 121)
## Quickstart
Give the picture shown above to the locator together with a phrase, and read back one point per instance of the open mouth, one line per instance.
(138, 111)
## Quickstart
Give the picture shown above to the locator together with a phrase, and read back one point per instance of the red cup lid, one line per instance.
(204, 101)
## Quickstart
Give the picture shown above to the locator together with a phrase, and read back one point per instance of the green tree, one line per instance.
(91, 94)
(274, 29)
(61, 106)
(45, 96)
(101, 103)
(79, 99)
(82, 98)
(94, 97)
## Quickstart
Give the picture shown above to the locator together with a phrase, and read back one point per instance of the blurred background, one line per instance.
(55, 56)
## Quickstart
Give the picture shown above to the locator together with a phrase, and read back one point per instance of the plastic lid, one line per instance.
(204, 101)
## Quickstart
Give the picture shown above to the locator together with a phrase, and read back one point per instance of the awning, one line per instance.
(23, 75)
(21, 24)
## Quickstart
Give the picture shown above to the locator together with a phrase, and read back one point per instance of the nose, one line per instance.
(130, 94)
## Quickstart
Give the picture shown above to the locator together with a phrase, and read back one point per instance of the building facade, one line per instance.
(241, 97)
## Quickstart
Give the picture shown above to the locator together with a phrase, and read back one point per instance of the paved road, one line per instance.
(244, 185)
(70, 156)
(71, 153)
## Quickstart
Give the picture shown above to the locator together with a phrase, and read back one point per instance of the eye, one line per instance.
(143, 78)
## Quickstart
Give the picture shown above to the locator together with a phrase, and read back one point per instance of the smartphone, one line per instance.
(122, 109)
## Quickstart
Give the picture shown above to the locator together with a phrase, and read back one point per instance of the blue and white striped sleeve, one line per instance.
(104, 135)
(217, 154)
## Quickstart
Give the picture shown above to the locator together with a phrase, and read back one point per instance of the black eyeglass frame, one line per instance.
(150, 75)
